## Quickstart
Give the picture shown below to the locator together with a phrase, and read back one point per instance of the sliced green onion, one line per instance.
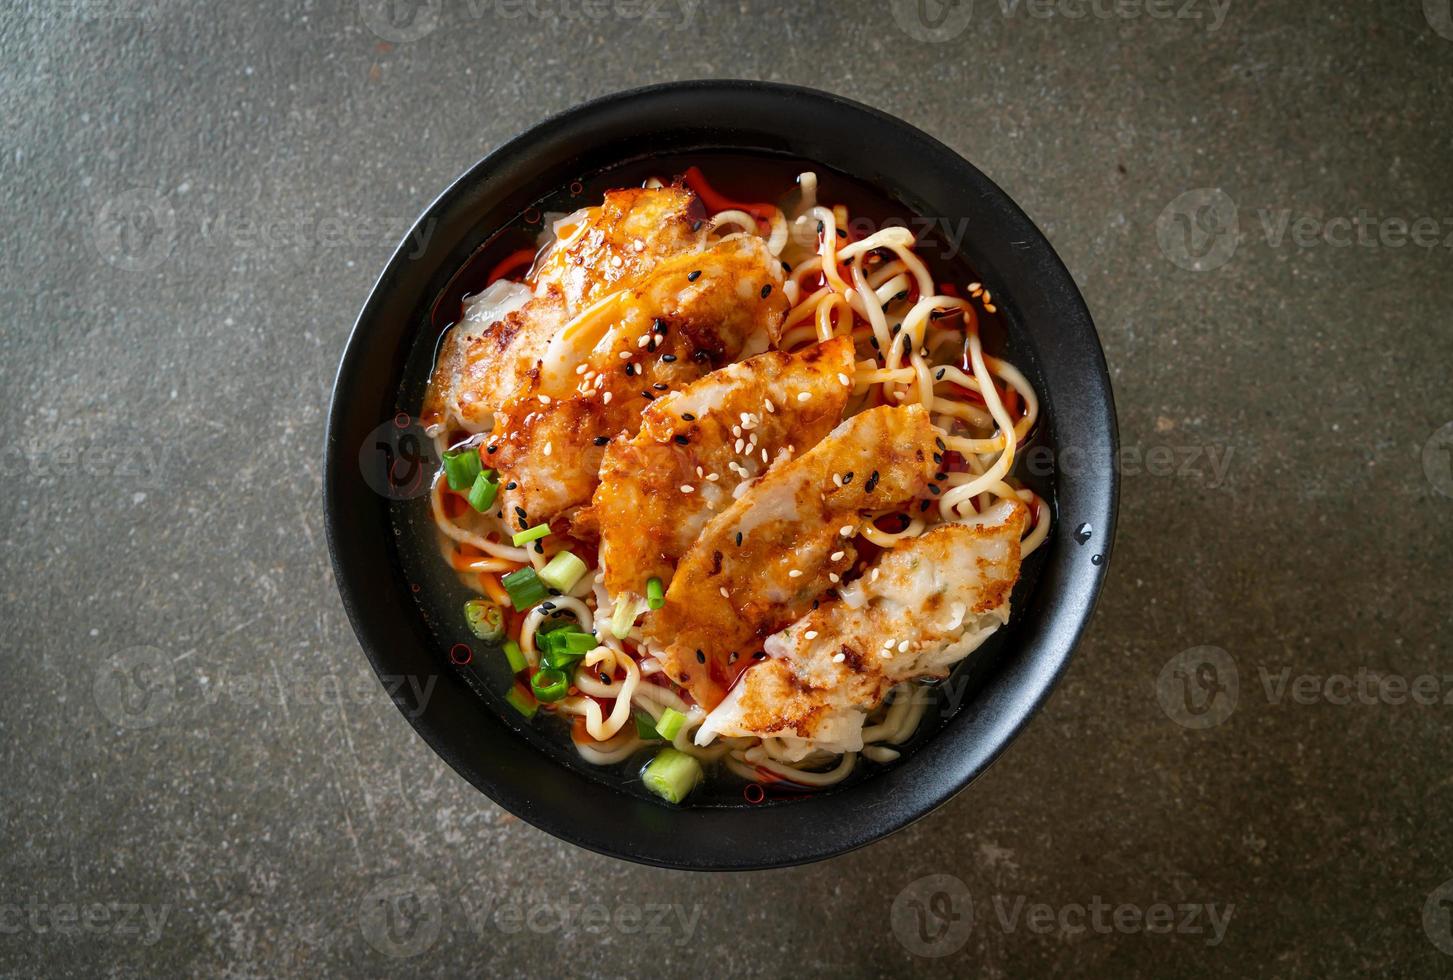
(655, 594)
(522, 702)
(482, 494)
(461, 468)
(550, 684)
(515, 656)
(624, 617)
(531, 534)
(577, 642)
(558, 658)
(670, 723)
(525, 588)
(645, 728)
(486, 620)
(554, 625)
(562, 571)
(671, 775)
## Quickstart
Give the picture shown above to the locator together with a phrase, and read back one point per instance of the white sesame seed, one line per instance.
(764, 454)
(625, 355)
(836, 556)
(837, 480)
(846, 530)
(580, 368)
(886, 654)
(643, 340)
(736, 430)
(874, 576)
(903, 647)
(833, 577)
(795, 573)
(737, 446)
(810, 634)
(802, 396)
(713, 477)
(699, 471)
(544, 399)
(687, 488)
(974, 287)
(724, 593)
(844, 378)
(605, 399)
(770, 407)
(839, 657)
(548, 447)
(888, 644)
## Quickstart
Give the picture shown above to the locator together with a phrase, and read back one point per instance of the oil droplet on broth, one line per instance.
(1097, 559)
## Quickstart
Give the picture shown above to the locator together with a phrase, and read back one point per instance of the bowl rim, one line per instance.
(864, 812)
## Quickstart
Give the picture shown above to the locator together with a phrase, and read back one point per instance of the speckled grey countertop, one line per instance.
(201, 777)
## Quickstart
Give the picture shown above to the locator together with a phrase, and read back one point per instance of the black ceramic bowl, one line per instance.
(1051, 338)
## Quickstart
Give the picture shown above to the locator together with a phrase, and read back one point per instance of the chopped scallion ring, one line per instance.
(655, 593)
(525, 588)
(461, 468)
(670, 723)
(531, 534)
(563, 571)
(482, 494)
(551, 684)
(486, 620)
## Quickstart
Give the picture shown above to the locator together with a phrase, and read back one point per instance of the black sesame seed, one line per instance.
(896, 327)
(933, 488)
(668, 358)
(490, 449)
(687, 416)
(847, 477)
(766, 290)
(648, 396)
(604, 677)
(938, 441)
(739, 539)
(700, 657)
(874, 342)
(658, 325)
(760, 655)
(520, 510)
(681, 440)
(902, 295)
(524, 524)
(548, 606)
(840, 233)
(696, 225)
(693, 276)
(659, 386)
(940, 476)
(872, 482)
(786, 267)
(923, 505)
(938, 375)
(602, 440)
(630, 369)
(539, 548)
(512, 485)
(820, 227)
(733, 658)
